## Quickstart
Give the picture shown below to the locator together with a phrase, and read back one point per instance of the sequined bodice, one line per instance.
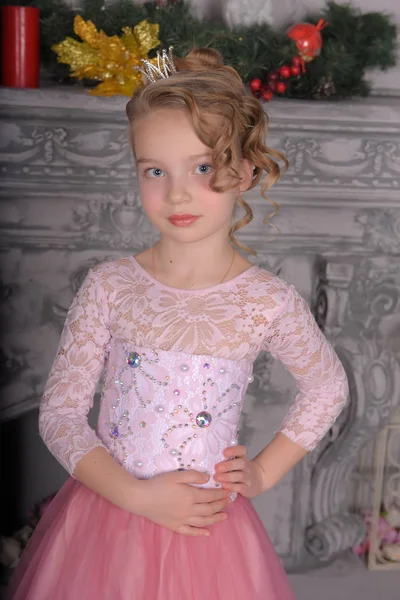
(164, 410)
(176, 365)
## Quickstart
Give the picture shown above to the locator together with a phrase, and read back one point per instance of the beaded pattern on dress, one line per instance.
(169, 410)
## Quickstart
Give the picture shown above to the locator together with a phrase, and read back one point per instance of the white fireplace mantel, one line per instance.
(69, 199)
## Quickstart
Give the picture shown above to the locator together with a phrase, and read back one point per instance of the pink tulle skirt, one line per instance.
(85, 548)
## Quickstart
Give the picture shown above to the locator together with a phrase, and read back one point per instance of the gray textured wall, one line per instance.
(69, 199)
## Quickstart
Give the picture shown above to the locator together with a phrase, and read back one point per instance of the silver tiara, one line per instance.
(163, 69)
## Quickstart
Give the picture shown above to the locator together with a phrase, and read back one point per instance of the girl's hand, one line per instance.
(168, 500)
(239, 474)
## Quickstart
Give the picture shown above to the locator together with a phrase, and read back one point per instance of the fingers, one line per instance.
(205, 495)
(235, 452)
(206, 521)
(192, 476)
(233, 477)
(193, 531)
(211, 508)
(239, 488)
(236, 464)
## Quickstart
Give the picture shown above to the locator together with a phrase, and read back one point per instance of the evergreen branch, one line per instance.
(352, 42)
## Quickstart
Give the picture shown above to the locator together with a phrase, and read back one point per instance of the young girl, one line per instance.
(158, 506)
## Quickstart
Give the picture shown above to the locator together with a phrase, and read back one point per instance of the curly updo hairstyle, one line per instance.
(211, 91)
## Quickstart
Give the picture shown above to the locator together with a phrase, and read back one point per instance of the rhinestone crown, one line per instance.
(163, 69)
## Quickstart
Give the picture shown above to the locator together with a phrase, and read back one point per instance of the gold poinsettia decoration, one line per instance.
(109, 59)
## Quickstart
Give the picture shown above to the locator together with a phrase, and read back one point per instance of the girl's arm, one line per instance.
(295, 339)
(99, 472)
(69, 392)
(277, 459)
(74, 375)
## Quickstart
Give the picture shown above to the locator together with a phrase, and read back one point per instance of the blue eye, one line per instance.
(203, 169)
(154, 173)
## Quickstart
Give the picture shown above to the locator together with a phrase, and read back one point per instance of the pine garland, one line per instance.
(352, 42)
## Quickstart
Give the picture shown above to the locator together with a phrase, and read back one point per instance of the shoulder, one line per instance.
(105, 270)
(116, 273)
(268, 287)
(105, 278)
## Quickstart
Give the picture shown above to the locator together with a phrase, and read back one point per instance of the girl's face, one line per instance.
(174, 170)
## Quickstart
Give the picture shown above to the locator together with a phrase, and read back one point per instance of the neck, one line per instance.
(195, 265)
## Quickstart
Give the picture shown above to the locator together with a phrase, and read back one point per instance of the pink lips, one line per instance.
(182, 220)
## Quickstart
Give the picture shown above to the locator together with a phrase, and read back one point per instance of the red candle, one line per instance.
(20, 46)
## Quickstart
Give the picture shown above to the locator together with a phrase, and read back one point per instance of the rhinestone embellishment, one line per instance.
(203, 419)
(134, 359)
(134, 362)
(114, 431)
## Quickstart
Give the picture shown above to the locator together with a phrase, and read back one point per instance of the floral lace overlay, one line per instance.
(144, 333)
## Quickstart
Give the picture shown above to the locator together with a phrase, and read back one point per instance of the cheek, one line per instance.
(219, 205)
(151, 194)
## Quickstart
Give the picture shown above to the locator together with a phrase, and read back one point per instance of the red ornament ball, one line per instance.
(255, 84)
(267, 95)
(284, 72)
(295, 70)
(280, 87)
(273, 76)
(296, 61)
(308, 39)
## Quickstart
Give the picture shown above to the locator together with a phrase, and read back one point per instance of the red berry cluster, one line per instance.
(275, 83)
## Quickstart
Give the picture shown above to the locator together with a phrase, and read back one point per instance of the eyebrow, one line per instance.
(191, 157)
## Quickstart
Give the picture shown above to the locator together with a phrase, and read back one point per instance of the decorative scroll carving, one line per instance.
(117, 221)
(345, 159)
(32, 151)
(331, 537)
(360, 329)
(381, 229)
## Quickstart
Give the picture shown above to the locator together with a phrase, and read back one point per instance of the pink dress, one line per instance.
(177, 366)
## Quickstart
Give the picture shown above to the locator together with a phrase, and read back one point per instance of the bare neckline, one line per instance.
(195, 291)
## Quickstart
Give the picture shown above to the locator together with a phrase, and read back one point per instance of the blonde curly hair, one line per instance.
(209, 90)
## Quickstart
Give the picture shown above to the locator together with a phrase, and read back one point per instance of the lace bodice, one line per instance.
(121, 312)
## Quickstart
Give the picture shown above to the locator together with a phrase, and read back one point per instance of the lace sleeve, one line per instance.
(296, 340)
(70, 388)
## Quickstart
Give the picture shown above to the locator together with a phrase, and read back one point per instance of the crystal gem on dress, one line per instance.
(203, 419)
(114, 432)
(134, 359)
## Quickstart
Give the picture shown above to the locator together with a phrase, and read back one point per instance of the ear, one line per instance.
(246, 175)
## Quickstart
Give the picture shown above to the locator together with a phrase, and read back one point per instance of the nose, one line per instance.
(178, 193)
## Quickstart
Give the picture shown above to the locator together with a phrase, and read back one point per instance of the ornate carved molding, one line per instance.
(63, 154)
(381, 229)
(69, 199)
(365, 308)
(336, 534)
(343, 160)
(115, 222)
(371, 114)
